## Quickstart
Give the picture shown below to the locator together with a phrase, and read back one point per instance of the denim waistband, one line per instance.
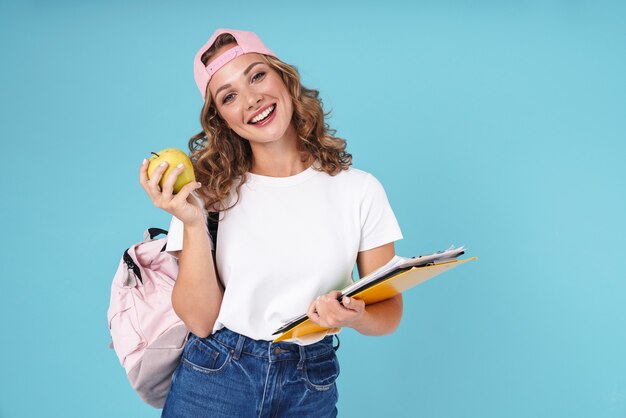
(240, 344)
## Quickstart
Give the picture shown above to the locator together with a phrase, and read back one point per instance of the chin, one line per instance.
(268, 136)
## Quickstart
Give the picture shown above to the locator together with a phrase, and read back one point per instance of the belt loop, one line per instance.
(239, 347)
(302, 357)
(336, 347)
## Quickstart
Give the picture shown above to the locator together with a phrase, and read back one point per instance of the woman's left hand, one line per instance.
(328, 312)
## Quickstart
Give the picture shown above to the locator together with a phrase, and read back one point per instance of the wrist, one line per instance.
(195, 226)
(361, 323)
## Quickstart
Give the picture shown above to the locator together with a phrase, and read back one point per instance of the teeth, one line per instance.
(260, 117)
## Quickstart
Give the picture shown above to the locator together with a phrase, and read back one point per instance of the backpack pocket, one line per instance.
(151, 376)
(124, 327)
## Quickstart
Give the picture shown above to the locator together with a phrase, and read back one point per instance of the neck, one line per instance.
(279, 164)
(279, 159)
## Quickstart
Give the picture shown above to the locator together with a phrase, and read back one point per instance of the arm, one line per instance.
(383, 317)
(376, 319)
(197, 294)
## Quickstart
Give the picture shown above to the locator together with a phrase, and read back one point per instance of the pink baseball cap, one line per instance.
(247, 42)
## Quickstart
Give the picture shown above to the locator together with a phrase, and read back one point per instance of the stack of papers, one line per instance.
(395, 266)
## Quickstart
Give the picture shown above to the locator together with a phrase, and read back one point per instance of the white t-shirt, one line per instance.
(291, 239)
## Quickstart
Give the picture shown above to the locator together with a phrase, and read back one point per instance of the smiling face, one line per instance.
(253, 100)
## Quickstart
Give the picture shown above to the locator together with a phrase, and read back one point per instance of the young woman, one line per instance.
(294, 220)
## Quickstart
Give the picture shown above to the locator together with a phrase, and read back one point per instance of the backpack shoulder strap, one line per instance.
(213, 219)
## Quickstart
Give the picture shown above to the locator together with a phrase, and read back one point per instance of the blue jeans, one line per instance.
(230, 375)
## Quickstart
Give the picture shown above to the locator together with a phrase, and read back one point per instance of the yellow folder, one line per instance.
(388, 286)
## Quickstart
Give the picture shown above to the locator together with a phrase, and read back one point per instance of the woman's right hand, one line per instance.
(182, 205)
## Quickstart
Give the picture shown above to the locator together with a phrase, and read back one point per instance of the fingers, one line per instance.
(328, 312)
(329, 303)
(184, 193)
(143, 178)
(312, 312)
(353, 304)
(181, 205)
(162, 197)
(170, 180)
(155, 178)
(143, 173)
(333, 294)
(151, 184)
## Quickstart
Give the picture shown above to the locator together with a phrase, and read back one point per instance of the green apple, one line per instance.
(173, 157)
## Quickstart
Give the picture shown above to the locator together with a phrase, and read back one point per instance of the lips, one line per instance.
(263, 115)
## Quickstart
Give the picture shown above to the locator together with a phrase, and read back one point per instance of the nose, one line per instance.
(252, 99)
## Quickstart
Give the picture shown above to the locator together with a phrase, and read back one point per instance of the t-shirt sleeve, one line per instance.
(175, 236)
(379, 225)
(175, 233)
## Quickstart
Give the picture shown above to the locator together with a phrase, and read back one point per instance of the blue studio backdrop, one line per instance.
(495, 125)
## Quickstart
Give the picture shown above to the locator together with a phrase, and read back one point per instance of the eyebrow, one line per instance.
(245, 72)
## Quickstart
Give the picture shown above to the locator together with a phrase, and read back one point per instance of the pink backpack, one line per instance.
(147, 335)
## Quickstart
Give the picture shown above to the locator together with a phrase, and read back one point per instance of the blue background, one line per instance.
(495, 125)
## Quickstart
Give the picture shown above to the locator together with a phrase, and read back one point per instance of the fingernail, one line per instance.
(347, 300)
(199, 184)
(163, 164)
(144, 161)
(179, 165)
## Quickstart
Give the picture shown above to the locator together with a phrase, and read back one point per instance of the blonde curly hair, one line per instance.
(221, 158)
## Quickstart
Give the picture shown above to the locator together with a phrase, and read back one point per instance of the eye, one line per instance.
(258, 76)
(228, 98)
